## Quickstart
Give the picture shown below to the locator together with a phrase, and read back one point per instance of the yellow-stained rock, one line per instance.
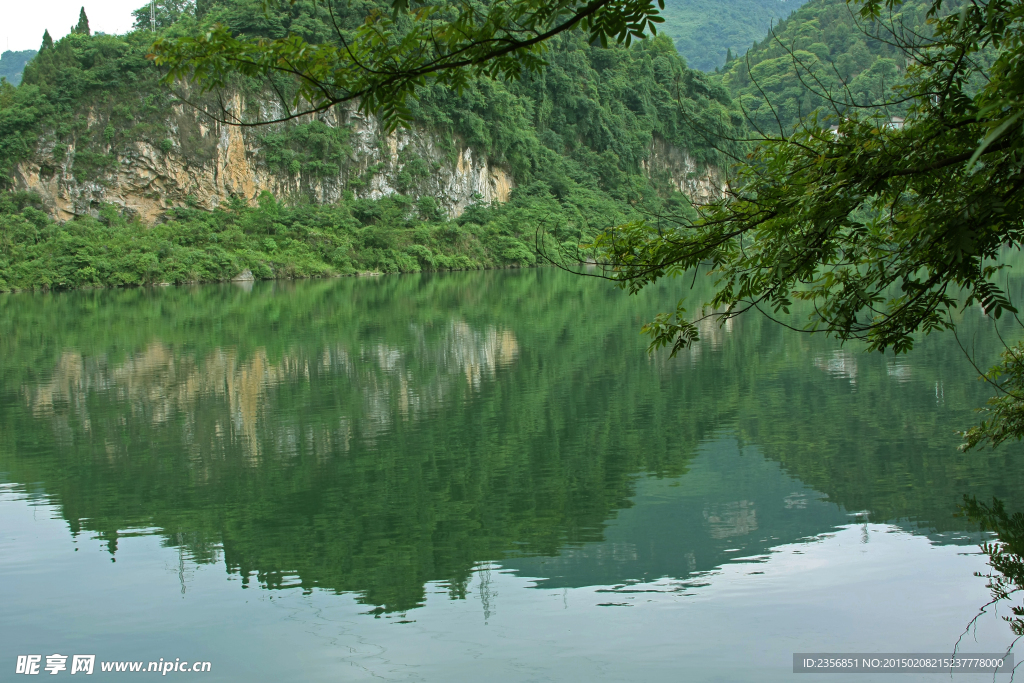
(209, 163)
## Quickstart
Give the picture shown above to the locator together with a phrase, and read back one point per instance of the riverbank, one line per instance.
(276, 241)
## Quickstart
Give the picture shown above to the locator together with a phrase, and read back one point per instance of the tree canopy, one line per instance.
(83, 24)
(708, 32)
(379, 56)
(825, 45)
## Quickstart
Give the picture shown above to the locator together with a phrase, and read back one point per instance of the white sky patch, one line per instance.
(22, 23)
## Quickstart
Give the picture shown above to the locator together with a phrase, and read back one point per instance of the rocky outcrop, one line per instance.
(455, 184)
(206, 164)
(665, 162)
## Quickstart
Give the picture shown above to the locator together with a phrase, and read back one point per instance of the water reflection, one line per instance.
(732, 503)
(378, 437)
(1005, 555)
(220, 401)
(840, 363)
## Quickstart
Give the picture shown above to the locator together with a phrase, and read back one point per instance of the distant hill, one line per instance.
(704, 29)
(827, 37)
(13, 63)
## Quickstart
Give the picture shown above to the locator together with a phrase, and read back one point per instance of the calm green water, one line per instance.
(476, 475)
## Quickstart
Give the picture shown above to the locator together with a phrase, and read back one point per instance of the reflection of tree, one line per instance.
(328, 447)
(874, 433)
(374, 435)
(1005, 556)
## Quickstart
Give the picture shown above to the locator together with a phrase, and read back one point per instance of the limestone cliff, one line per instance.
(205, 164)
(681, 171)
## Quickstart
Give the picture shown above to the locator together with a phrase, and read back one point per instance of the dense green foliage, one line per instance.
(273, 240)
(1004, 412)
(1005, 555)
(824, 49)
(590, 117)
(582, 127)
(380, 54)
(886, 229)
(13, 63)
(599, 106)
(707, 31)
(108, 75)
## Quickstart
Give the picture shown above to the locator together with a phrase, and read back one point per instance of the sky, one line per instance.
(22, 22)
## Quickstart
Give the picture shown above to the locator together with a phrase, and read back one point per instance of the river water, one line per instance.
(478, 476)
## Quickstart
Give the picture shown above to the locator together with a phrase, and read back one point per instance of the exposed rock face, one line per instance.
(206, 164)
(701, 185)
(147, 180)
(471, 178)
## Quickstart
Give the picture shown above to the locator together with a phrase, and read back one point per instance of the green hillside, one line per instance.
(573, 137)
(13, 63)
(705, 30)
(831, 42)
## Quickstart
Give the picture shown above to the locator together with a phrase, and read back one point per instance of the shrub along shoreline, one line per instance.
(274, 241)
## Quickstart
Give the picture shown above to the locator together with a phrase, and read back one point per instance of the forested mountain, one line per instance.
(856, 60)
(13, 63)
(96, 137)
(705, 31)
(571, 149)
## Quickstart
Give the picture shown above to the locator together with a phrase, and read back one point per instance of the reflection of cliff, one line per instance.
(218, 400)
(335, 449)
(156, 386)
(479, 354)
(840, 363)
(728, 520)
(713, 332)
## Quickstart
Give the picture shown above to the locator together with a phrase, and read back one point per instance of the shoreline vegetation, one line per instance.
(271, 241)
